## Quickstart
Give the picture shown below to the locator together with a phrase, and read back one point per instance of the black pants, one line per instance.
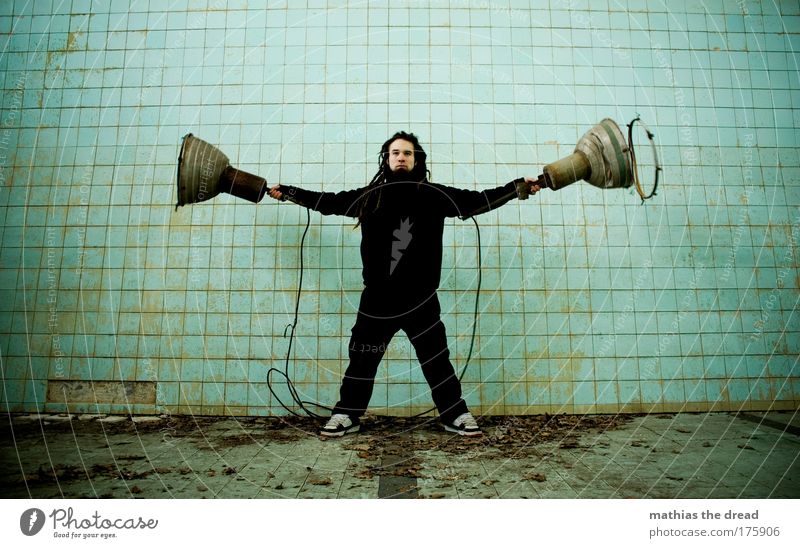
(380, 316)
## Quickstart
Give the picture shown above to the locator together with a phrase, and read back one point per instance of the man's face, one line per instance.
(401, 156)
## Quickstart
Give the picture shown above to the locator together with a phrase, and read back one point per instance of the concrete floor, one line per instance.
(698, 455)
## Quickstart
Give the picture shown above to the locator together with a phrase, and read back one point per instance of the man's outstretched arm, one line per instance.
(464, 203)
(328, 203)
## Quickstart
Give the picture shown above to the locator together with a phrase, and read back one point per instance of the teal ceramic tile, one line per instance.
(213, 393)
(691, 281)
(584, 393)
(236, 393)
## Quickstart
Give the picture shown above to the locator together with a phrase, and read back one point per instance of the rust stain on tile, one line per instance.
(72, 41)
(119, 392)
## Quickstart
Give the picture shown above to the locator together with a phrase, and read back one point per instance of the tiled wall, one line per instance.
(590, 301)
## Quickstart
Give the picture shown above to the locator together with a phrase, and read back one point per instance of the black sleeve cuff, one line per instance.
(523, 188)
(298, 195)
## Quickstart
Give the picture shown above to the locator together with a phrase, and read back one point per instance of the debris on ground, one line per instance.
(535, 476)
(384, 447)
(513, 437)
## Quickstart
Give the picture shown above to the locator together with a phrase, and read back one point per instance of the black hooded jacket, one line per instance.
(401, 241)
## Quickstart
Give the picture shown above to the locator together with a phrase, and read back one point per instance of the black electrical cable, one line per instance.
(474, 316)
(634, 167)
(291, 328)
(477, 298)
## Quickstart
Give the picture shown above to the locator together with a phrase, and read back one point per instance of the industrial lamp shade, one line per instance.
(204, 171)
(602, 158)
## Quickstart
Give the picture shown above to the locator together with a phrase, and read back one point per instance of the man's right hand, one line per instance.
(275, 192)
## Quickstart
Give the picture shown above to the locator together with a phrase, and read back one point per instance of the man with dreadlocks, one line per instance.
(401, 214)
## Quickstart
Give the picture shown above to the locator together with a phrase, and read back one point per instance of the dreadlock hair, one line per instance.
(370, 200)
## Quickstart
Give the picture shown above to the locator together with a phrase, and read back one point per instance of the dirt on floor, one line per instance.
(510, 432)
(507, 437)
(380, 439)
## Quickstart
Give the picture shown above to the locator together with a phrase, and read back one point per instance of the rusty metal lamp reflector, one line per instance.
(204, 171)
(601, 157)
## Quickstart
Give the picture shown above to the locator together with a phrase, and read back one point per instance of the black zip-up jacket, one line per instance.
(401, 241)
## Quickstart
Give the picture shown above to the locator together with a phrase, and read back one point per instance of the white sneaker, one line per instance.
(339, 425)
(464, 425)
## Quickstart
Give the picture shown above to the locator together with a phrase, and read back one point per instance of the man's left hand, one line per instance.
(533, 185)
